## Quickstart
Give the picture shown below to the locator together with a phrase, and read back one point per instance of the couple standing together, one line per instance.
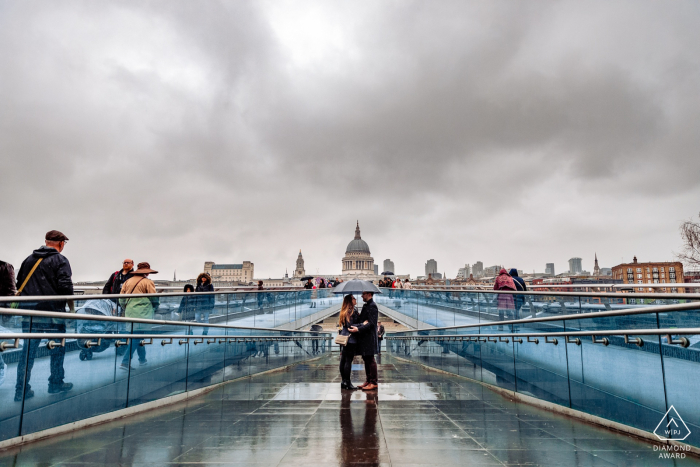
(361, 329)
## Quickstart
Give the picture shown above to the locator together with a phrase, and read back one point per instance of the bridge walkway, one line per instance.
(299, 416)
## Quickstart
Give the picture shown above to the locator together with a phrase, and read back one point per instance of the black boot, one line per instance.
(348, 385)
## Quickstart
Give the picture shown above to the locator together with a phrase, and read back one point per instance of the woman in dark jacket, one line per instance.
(348, 317)
(205, 303)
(187, 304)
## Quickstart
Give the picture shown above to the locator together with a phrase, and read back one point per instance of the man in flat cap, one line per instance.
(45, 272)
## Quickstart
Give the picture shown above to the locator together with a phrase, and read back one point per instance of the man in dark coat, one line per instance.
(117, 279)
(367, 344)
(520, 287)
(51, 276)
(380, 336)
(7, 289)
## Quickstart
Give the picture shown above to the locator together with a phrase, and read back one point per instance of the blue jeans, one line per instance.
(135, 345)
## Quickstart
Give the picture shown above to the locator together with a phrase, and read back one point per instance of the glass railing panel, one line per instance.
(77, 378)
(682, 370)
(497, 358)
(205, 359)
(620, 382)
(488, 308)
(156, 370)
(541, 369)
(12, 375)
(238, 352)
(467, 308)
(470, 351)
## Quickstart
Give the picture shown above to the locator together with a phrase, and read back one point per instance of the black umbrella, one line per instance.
(387, 273)
(305, 278)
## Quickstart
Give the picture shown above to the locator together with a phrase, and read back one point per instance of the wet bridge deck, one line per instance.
(301, 417)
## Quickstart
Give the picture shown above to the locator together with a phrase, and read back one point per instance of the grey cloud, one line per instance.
(185, 131)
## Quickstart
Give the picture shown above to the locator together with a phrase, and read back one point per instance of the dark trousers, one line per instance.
(379, 347)
(29, 350)
(314, 345)
(346, 357)
(370, 368)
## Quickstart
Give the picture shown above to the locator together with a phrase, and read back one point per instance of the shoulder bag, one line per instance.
(15, 305)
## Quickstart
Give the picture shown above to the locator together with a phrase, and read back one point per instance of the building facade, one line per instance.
(299, 271)
(549, 269)
(651, 273)
(230, 272)
(430, 267)
(388, 266)
(464, 272)
(358, 262)
(575, 266)
(478, 269)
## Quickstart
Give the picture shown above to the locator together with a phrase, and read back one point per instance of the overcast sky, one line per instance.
(516, 133)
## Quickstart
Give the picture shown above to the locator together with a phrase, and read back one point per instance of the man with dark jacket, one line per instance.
(380, 336)
(367, 344)
(45, 272)
(117, 279)
(520, 287)
(7, 289)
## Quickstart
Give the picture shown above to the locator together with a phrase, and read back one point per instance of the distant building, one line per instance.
(230, 272)
(430, 267)
(299, 271)
(549, 269)
(650, 273)
(605, 272)
(575, 266)
(464, 272)
(388, 265)
(478, 269)
(358, 262)
(376, 269)
(596, 268)
(492, 271)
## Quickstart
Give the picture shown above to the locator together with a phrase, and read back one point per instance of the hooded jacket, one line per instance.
(207, 302)
(53, 276)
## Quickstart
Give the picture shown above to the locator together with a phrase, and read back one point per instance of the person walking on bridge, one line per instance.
(45, 272)
(367, 345)
(117, 279)
(518, 300)
(8, 288)
(505, 302)
(205, 303)
(139, 307)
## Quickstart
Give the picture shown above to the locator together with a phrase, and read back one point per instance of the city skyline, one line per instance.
(510, 133)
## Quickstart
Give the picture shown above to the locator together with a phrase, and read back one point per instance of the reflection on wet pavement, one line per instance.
(301, 417)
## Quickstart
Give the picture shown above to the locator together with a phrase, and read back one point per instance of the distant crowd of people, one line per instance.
(390, 283)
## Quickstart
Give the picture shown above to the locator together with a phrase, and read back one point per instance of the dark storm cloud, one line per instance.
(181, 132)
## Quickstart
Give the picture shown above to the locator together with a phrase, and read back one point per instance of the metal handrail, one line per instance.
(596, 314)
(43, 298)
(656, 296)
(517, 337)
(166, 339)
(73, 316)
(566, 294)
